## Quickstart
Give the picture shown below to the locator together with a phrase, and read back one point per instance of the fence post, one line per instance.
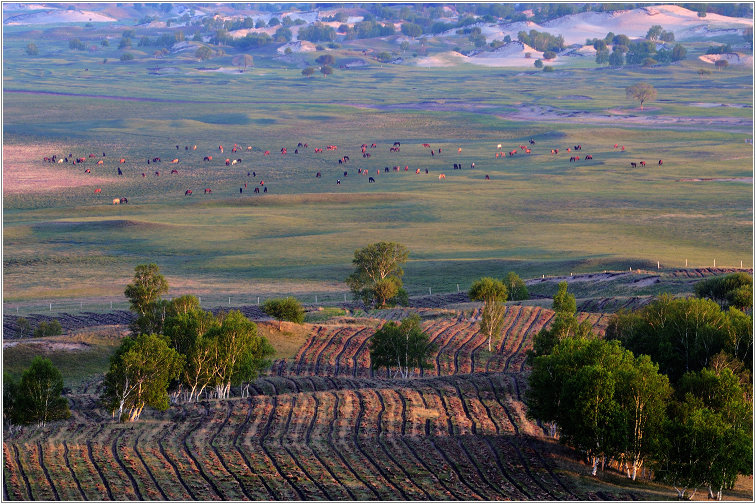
(429, 291)
(200, 299)
(111, 305)
(258, 300)
(741, 262)
(229, 300)
(50, 306)
(457, 287)
(686, 263)
(316, 299)
(657, 265)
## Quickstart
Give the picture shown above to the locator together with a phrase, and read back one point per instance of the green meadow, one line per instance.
(538, 213)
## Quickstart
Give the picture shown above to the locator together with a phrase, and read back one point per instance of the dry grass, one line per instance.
(288, 340)
(25, 172)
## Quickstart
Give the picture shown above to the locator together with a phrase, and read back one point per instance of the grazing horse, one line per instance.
(228, 162)
(266, 153)
(188, 192)
(257, 190)
(317, 175)
(124, 201)
(175, 161)
(98, 191)
(643, 163)
(442, 176)
(157, 173)
(660, 162)
(116, 201)
(208, 158)
(426, 145)
(634, 165)
(99, 162)
(122, 160)
(397, 144)
(220, 148)
(120, 172)
(174, 172)
(157, 160)
(87, 171)
(371, 180)
(588, 156)
(532, 142)
(488, 178)
(265, 190)
(208, 191)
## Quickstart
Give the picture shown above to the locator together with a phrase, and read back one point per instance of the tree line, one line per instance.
(669, 387)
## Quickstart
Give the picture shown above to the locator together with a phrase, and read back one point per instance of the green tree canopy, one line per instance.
(493, 293)
(281, 309)
(37, 397)
(31, 49)
(641, 92)
(139, 374)
(604, 401)
(308, 71)
(681, 335)
(377, 272)
(734, 290)
(144, 298)
(404, 347)
(564, 324)
(516, 287)
(237, 352)
(325, 59)
(708, 437)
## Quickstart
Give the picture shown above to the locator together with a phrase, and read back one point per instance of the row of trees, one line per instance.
(669, 387)
(178, 345)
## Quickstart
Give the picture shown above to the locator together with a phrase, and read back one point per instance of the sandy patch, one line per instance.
(24, 171)
(731, 58)
(49, 346)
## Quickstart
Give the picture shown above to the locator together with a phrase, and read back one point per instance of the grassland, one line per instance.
(539, 214)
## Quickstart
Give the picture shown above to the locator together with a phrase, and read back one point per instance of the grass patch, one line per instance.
(78, 356)
(288, 340)
(323, 314)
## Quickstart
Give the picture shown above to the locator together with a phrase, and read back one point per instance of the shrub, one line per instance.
(127, 57)
(31, 49)
(281, 309)
(52, 328)
(548, 68)
(538, 63)
(24, 327)
(548, 55)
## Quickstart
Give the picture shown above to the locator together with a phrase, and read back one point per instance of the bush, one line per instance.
(288, 309)
(549, 55)
(52, 328)
(76, 44)
(548, 68)
(31, 49)
(538, 63)
(127, 57)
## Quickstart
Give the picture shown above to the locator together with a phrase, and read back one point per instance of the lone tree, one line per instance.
(203, 53)
(308, 71)
(493, 293)
(37, 397)
(404, 346)
(243, 61)
(31, 49)
(516, 287)
(377, 276)
(144, 297)
(642, 92)
(281, 309)
(326, 70)
(721, 64)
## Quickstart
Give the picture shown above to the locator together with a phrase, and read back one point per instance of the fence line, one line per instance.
(238, 300)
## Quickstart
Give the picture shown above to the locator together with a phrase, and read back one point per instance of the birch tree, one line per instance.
(493, 294)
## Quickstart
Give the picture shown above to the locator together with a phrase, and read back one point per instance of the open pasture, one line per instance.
(539, 213)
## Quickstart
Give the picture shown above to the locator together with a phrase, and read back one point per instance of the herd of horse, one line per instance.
(345, 159)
